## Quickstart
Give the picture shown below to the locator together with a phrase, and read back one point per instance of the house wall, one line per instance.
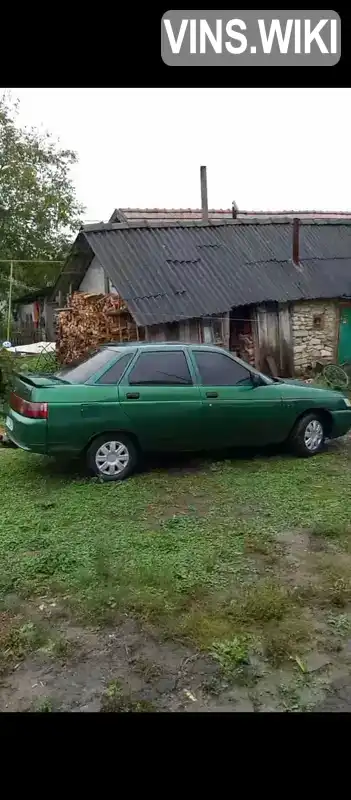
(184, 331)
(94, 278)
(296, 336)
(50, 321)
(25, 310)
(315, 332)
(25, 318)
(207, 331)
(156, 333)
(272, 338)
(189, 331)
(210, 330)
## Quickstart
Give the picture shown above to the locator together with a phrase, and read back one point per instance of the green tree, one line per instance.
(39, 211)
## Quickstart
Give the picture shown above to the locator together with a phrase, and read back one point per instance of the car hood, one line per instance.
(297, 382)
(298, 389)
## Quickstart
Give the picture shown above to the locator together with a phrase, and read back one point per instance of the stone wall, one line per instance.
(314, 327)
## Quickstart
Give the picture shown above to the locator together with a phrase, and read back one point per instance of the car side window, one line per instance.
(114, 374)
(161, 368)
(217, 369)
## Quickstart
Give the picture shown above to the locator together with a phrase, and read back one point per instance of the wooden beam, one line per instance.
(226, 330)
(106, 284)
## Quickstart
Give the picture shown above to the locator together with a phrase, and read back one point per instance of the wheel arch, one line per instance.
(322, 413)
(112, 432)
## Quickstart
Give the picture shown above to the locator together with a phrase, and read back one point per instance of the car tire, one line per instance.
(308, 437)
(121, 457)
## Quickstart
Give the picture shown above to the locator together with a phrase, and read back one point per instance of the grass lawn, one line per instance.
(242, 563)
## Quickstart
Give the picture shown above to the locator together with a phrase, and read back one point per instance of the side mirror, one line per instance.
(255, 380)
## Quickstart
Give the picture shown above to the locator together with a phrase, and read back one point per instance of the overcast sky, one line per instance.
(267, 149)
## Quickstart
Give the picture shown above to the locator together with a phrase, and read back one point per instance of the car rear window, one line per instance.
(82, 372)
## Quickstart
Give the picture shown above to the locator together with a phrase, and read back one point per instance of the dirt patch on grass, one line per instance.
(65, 667)
(121, 669)
(6, 622)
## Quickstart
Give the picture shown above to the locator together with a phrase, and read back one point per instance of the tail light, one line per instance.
(27, 409)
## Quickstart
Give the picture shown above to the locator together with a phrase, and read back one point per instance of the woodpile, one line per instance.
(89, 321)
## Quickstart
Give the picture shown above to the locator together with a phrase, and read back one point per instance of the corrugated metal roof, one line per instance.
(181, 214)
(35, 294)
(179, 272)
(325, 240)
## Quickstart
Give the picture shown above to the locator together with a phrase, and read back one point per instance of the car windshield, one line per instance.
(80, 373)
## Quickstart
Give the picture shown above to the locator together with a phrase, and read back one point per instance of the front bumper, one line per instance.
(341, 423)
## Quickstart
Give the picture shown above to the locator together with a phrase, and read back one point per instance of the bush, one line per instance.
(11, 363)
(6, 374)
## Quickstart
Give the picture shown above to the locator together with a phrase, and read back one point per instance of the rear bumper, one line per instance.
(341, 423)
(28, 434)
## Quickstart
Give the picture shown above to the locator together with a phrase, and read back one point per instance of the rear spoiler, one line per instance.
(39, 379)
(24, 377)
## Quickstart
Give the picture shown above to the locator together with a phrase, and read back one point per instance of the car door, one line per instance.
(237, 412)
(159, 398)
(87, 404)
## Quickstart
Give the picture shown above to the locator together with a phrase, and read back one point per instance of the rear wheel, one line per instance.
(112, 457)
(308, 436)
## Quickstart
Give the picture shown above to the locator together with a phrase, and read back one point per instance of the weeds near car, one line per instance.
(115, 700)
(231, 654)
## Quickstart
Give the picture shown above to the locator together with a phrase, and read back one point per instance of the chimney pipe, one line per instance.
(234, 210)
(296, 241)
(204, 200)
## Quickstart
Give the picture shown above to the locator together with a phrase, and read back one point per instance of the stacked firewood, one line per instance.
(89, 321)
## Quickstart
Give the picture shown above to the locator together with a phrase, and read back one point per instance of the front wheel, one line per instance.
(308, 436)
(112, 457)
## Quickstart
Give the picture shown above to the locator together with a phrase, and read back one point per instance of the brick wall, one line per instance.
(315, 333)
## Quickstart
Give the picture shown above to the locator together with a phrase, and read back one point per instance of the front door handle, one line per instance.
(211, 394)
(132, 395)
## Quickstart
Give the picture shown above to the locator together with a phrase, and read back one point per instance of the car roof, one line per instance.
(159, 345)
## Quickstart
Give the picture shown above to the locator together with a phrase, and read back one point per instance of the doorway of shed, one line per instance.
(273, 339)
(344, 352)
(241, 339)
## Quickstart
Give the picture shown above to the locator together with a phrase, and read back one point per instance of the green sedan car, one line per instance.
(129, 399)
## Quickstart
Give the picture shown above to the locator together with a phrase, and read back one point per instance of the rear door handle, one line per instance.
(211, 394)
(132, 395)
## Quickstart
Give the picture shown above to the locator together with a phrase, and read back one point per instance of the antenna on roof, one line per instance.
(204, 199)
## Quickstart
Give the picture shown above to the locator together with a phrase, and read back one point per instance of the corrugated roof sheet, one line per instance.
(181, 214)
(35, 294)
(178, 272)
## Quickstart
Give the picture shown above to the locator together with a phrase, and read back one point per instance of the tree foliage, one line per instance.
(39, 211)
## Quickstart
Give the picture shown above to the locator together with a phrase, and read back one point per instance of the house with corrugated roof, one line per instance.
(275, 290)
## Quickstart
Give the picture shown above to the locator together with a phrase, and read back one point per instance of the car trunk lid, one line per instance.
(25, 384)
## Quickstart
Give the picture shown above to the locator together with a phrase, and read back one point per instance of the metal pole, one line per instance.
(296, 241)
(9, 310)
(204, 200)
